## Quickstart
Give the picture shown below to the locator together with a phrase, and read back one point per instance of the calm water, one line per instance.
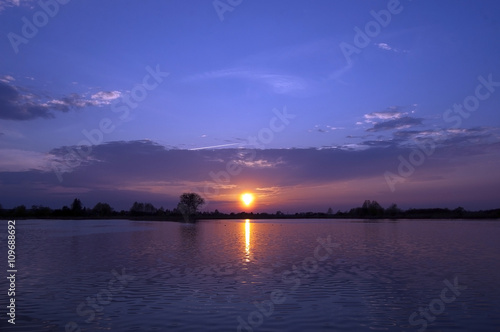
(123, 275)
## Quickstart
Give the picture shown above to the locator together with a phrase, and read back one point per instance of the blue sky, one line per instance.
(220, 81)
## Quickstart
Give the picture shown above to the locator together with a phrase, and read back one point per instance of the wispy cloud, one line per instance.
(324, 129)
(261, 163)
(337, 74)
(394, 117)
(278, 83)
(386, 115)
(387, 47)
(214, 146)
(268, 192)
(4, 4)
(7, 79)
(15, 160)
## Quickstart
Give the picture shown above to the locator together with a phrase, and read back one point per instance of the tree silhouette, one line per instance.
(393, 210)
(137, 208)
(189, 204)
(149, 208)
(20, 211)
(76, 207)
(102, 209)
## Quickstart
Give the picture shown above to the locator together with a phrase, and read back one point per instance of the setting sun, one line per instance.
(247, 199)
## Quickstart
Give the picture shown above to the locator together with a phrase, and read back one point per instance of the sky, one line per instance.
(307, 104)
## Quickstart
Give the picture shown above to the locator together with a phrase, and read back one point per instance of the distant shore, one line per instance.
(429, 214)
(370, 209)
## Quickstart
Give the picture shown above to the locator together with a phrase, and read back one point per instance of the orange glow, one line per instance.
(247, 199)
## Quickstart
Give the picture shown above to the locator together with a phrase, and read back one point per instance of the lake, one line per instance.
(254, 275)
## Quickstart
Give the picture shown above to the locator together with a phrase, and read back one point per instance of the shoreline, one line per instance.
(181, 220)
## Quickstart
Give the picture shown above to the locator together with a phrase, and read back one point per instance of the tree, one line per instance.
(393, 210)
(375, 209)
(149, 208)
(370, 208)
(189, 204)
(40, 211)
(102, 209)
(76, 206)
(330, 211)
(20, 211)
(137, 209)
(459, 212)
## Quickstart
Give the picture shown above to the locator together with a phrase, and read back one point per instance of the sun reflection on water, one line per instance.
(247, 240)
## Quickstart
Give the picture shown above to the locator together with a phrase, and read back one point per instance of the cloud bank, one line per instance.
(289, 179)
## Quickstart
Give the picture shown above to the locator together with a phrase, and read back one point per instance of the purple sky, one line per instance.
(307, 104)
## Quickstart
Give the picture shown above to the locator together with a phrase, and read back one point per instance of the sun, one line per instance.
(247, 199)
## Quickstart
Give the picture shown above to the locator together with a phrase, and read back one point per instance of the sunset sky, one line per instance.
(306, 104)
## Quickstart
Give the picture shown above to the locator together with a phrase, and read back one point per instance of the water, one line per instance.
(215, 275)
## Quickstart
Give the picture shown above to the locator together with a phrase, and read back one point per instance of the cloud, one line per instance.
(144, 169)
(454, 139)
(105, 97)
(384, 46)
(7, 79)
(387, 47)
(394, 117)
(261, 163)
(392, 114)
(76, 101)
(15, 105)
(337, 74)
(278, 83)
(4, 4)
(122, 172)
(324, 129)
(268, 192)
(399, 123)
(14, 160)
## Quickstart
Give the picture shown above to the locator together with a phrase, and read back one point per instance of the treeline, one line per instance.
(100, 211)
(138, 210)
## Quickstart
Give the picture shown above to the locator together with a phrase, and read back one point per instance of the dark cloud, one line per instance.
(142, 169)
(404, 122)
(17, 105)
(408, 134)
(457, 140)
(122, 172)
(381, 143)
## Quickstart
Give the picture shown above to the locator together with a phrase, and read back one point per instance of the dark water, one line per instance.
(276, 275)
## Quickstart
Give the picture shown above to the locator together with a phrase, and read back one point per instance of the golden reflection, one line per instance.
(247, 240)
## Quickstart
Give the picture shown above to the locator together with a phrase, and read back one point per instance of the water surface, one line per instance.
(122, 275)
